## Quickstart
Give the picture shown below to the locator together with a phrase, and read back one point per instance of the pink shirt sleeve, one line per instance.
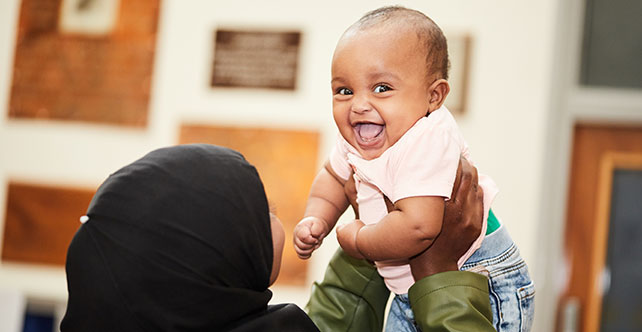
(339, 159)
(428, 166)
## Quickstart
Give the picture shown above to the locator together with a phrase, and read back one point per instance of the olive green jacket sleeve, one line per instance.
(452, 301)
(351, 297)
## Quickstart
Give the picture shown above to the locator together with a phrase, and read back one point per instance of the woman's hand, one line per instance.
(350, 189)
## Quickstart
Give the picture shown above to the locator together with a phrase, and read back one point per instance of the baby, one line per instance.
(389, 83)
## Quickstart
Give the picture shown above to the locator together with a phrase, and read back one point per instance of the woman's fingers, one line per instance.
(466, 180)
(457, 182)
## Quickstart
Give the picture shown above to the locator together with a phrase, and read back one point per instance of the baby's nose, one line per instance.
(361, 105)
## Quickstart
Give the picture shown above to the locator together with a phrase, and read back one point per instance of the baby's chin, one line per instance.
(370, 153)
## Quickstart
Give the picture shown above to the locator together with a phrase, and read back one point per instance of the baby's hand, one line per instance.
(347, 236)
(308, 235)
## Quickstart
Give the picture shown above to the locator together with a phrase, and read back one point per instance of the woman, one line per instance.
(181, 240)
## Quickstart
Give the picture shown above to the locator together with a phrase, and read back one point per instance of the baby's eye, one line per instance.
(381, 88)
(344, 91)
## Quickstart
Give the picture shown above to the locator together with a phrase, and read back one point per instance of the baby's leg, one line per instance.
(511, 288)
(400, 317)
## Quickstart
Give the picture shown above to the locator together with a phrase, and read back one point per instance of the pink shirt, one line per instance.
(423, 162)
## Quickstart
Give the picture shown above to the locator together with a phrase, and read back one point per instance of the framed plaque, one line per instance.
(255, 59)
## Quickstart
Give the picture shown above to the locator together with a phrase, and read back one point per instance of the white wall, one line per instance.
(506, 123)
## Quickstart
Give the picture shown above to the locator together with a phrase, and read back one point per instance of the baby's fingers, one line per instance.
(318, 229)
(303, 236)
(304, 253)
(305, 243)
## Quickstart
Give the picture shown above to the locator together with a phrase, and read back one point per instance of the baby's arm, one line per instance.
(326, 202)
(404, 232)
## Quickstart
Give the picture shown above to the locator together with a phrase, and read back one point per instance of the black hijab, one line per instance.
(178, 240)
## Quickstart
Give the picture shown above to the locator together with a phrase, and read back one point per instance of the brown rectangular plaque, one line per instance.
(65, 74)
(40, 222)
(287, 163)
(255, 59)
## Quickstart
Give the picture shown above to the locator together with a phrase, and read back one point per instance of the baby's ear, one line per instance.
(438, 91)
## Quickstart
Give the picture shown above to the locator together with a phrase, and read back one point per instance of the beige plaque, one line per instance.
(91, 17)
(459, 51)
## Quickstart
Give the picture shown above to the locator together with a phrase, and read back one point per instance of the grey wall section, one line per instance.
(612, 48)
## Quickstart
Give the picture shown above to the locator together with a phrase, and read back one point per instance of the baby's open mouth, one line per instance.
(368, 131)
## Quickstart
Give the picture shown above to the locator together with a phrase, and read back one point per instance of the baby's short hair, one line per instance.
(427, 30)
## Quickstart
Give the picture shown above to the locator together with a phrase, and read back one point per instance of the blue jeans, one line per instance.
(511, 290)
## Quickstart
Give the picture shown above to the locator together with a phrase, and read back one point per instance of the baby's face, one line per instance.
(379, 87)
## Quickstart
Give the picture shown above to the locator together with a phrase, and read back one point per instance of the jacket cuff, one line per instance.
(452, 301)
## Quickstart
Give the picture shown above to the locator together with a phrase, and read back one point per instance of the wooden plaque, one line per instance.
(287, 163)
(82, 72)
(255, 59)
(41, 221)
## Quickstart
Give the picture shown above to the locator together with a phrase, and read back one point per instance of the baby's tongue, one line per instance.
(369, 130)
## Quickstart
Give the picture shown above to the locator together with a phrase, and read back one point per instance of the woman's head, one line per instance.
(179, 239)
